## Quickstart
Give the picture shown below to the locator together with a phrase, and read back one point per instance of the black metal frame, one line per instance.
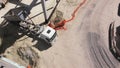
(28, 27)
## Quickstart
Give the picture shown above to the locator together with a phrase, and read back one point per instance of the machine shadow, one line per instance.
(16, 2)
(9, 35)
(42, 45)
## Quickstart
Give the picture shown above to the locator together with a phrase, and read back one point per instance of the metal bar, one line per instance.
(57, 1)
(44, 10)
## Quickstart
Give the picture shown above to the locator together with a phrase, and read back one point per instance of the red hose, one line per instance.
(61, 24)
(29, 66)
(75, 11)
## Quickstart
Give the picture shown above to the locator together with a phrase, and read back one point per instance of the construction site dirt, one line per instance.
(84, 43)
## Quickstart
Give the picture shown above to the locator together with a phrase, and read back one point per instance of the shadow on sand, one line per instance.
(10, 33)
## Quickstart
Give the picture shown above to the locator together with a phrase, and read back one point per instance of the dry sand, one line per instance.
(85, 42)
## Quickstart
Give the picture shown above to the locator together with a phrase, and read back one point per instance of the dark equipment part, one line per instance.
(118, 10)
(17, 14)
(2, 3)
(14, 1)
(114, 40)
(2, 67)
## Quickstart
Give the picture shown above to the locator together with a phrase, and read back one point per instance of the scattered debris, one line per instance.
(29, 56)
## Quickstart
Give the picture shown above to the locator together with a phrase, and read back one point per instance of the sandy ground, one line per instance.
(85, 42)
